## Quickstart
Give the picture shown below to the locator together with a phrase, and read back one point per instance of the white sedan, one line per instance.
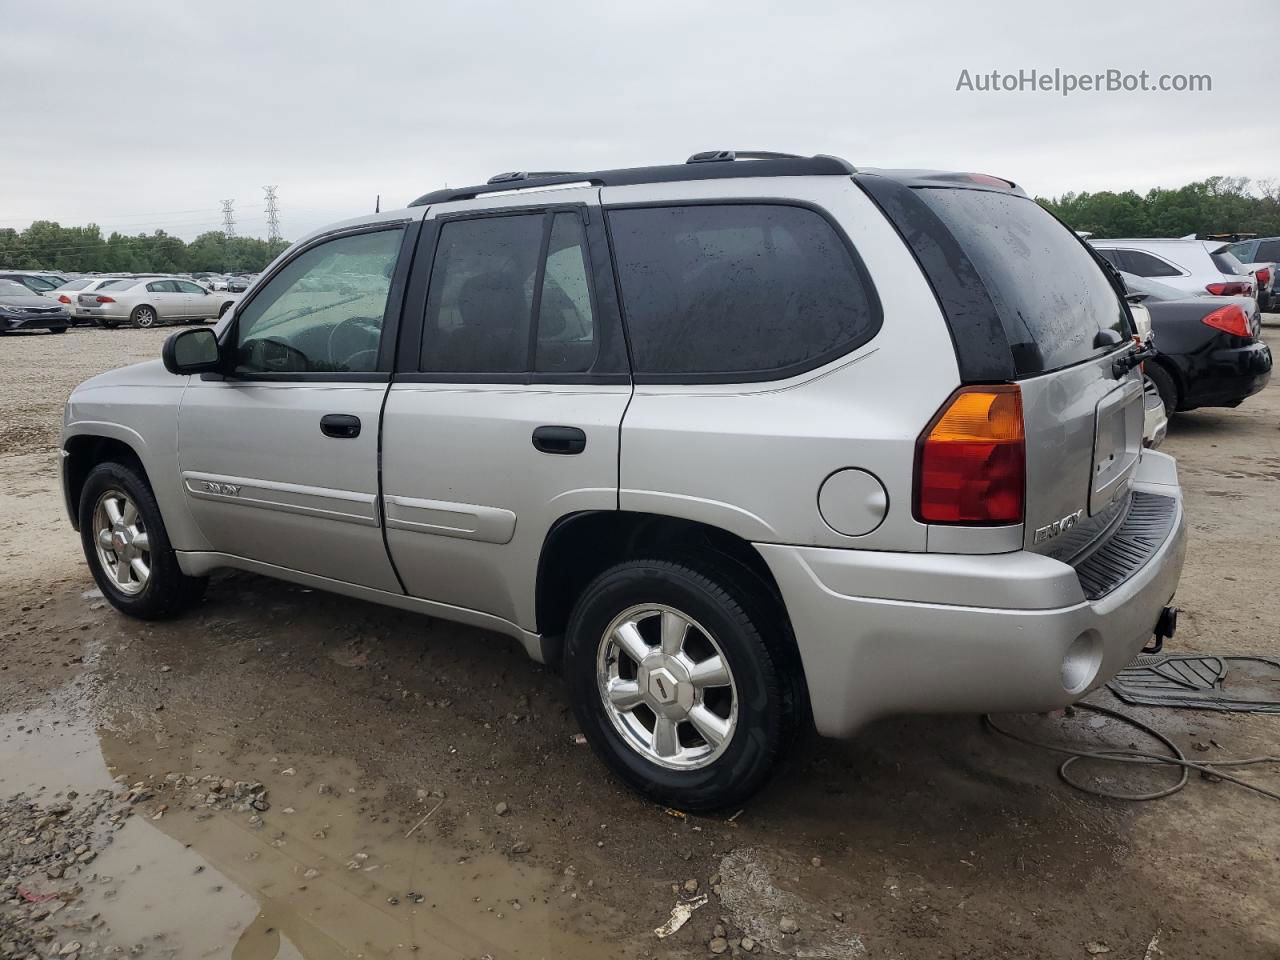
(148, 301)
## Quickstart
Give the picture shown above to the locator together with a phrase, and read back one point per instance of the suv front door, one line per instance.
(508, 398)
(279, 458)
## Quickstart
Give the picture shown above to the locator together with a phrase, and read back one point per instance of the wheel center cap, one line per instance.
(663, 686)
(118, 540)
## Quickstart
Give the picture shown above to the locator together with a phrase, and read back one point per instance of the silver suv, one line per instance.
(748, 444)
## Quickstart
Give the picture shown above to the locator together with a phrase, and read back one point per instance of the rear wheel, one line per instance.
(143, 316)
(58, 330)
(674, 684)
(127, 546)
(1167, 389)
(225, 307)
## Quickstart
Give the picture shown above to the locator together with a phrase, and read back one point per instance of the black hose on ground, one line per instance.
(1175, 758)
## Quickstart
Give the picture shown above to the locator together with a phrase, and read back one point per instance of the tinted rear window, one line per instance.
(729, 291)
(1052, 297)
(1268, 252)
(1227, 263)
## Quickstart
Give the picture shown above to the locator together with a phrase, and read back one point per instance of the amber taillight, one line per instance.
(971, 460)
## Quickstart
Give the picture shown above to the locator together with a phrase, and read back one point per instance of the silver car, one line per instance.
(148, 301)
(748, 445)
(1199, 268)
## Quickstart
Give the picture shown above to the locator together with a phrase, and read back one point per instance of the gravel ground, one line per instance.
(428, 795)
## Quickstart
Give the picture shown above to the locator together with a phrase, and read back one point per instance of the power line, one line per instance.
(273, 215)
(228, 218)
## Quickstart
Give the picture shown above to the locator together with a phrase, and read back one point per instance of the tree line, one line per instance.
(1212, 206)
(46, 245)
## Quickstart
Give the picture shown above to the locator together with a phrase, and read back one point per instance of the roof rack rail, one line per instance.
(720, 156)
(764, 164)
(519, 175)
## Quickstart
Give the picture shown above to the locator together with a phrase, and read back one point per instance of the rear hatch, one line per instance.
(1059, 327)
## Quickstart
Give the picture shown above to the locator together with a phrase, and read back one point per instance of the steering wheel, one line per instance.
(369, 329)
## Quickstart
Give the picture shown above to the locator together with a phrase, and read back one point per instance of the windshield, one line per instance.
(118, 284)
(10, 289)
(75, 284)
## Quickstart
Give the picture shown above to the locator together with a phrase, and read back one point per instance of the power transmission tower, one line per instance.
(228, 218)
(273, 215)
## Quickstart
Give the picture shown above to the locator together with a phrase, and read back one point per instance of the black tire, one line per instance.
(749, 637)
(109, 324)
(225, 307)
(144, 316)
(1165, 386)
(168, 591)
(57, 329)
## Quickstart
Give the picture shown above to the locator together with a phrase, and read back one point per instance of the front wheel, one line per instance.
(127, 546)
(674, 683)
(143, 316)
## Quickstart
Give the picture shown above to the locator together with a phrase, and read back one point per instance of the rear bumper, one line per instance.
(1226, 375)
(890, 633)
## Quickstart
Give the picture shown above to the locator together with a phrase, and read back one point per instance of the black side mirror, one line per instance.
(192, 351)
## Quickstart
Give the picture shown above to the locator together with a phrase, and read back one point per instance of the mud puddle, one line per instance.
(311, 865)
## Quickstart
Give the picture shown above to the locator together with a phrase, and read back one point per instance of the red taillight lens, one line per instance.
(971, 460)
(1264, 277)
(1233, 289)
(63, 298)
(102, 299)
(1230, 319)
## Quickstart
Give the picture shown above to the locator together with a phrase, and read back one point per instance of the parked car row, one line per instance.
(1204, 307)
(107, 301)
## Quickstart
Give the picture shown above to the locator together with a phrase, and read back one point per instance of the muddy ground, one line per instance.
(378, 746)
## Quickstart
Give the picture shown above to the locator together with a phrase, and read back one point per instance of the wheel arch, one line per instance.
(580, 546)
(81, 452)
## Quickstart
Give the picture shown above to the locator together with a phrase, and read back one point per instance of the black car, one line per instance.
(1209, 350)
(20, 309)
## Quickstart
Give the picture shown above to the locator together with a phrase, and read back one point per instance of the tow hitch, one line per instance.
(1165, 627)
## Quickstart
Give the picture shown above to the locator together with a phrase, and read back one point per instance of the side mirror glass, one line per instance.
(191, 351)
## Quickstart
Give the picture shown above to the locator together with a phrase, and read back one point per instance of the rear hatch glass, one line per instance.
(1064, 321)
(1055, 303)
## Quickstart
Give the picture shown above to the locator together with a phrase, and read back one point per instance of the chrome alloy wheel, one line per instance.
(667, 687)
(124, 550)
(146, 317)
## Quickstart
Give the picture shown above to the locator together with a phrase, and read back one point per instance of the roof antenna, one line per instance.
(377, 204)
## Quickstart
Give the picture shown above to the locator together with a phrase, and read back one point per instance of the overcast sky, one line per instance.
(139, 116)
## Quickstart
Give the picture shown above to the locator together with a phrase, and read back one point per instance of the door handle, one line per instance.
(343, 426)
(562, 440)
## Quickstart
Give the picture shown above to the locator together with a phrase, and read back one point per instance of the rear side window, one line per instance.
(1146, 265)
(480, 300)
(737, 291)
(1056, 305)
(1268, 252)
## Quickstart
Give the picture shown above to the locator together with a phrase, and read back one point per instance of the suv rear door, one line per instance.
(511, 381)
(1060, 328)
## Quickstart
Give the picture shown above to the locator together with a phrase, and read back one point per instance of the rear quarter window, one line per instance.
(743, 291)
(1051, 295)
